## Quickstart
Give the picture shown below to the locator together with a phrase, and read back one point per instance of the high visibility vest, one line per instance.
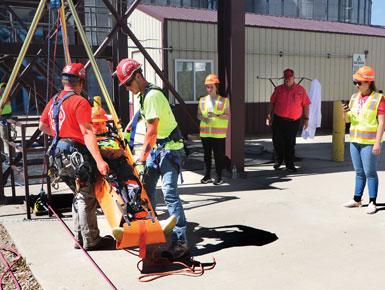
(7, 109)
(363, 126)
(217, 128)
(108, 143)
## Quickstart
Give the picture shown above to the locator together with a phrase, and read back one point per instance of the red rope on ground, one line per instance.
(84, 251)
(190, 270)
(9, 266)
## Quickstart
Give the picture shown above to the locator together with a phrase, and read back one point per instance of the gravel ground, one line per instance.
(20, 270)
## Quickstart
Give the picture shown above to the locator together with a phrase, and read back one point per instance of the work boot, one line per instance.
(206, 179)
(118, 233)
(291, 168)
(277, 165)
(168, 224)
(76, 246)
(106, 243)
(178, 249)
(218, 180)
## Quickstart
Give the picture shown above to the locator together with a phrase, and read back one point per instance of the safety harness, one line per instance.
(70, 150)
(55, 116)
(175, 136)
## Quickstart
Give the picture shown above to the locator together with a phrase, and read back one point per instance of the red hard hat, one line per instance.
(211, 79)
(75, 69)
(98, 115)
(126, 69)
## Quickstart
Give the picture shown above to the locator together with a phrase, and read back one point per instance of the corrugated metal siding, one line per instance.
(306, 53)
(196, 41)
(149, 32)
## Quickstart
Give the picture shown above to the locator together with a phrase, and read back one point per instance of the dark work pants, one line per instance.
(218, 146)
(284, 134)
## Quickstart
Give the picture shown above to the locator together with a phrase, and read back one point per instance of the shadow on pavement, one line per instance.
(204, 241)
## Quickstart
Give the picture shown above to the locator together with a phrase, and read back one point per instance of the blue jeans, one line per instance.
(169, 172)
(365, 165)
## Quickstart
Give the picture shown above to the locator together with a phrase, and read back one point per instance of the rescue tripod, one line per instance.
(140, 232)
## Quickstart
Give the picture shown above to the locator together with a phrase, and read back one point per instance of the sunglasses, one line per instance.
(357, 83)
(129, 83)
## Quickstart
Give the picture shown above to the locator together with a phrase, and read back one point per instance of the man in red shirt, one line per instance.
(287, 104)
(74, 126)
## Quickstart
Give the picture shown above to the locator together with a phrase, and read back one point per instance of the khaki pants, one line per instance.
(84, 205)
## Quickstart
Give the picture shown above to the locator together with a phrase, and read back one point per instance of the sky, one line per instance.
(378, 12)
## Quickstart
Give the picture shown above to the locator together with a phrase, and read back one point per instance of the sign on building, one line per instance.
(358, 61)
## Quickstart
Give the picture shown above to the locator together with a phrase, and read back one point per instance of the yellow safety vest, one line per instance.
(217, 127)
(108, 143)
(363, 126)
(7, 110)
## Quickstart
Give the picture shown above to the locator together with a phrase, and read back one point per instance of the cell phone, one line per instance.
(345, 102)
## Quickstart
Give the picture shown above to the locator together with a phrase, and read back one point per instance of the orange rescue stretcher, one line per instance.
(144, 229)
(140, 229)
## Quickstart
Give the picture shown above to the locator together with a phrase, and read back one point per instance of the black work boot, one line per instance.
(206, 179)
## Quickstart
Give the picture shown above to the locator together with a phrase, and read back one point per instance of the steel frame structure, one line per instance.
(226, 16)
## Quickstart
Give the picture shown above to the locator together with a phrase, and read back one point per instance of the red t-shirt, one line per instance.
(73, 111)
(289, 103)
(362, 99)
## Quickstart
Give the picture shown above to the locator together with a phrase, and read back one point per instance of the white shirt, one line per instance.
(315, 115)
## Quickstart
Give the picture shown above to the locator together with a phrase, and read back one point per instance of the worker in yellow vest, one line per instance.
(213, 112)
(5, 114)
(366, 114)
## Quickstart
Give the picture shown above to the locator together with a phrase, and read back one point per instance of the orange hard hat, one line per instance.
(365, 73)
(126, 69)
(98, 115)
(211, 79)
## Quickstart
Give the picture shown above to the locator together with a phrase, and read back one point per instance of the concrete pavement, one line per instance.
(272, 230)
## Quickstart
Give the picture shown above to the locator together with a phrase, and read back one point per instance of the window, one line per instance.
(190, 78)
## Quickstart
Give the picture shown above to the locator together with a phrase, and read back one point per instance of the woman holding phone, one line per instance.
(366, 114)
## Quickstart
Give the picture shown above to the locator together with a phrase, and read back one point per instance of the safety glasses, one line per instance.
(129, 83)
(357, 83)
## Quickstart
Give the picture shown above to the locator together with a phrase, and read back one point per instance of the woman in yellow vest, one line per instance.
(366, 114)
(5, 114)
(213, 112)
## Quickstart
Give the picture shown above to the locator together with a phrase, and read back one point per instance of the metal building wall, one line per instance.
(326, 57)
(149, 32)
(191, 40)
(323, 56)
(352, 11)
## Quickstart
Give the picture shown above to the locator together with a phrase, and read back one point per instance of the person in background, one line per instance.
(366, 114)
(214, 113)
(287, 105)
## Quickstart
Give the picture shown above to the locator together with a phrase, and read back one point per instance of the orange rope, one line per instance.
(196, 268)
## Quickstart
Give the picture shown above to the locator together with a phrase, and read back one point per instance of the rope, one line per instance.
(54, 57)
(84, 251)
(48, 53)
(9, 266)
(64, 34)
(196, 268)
